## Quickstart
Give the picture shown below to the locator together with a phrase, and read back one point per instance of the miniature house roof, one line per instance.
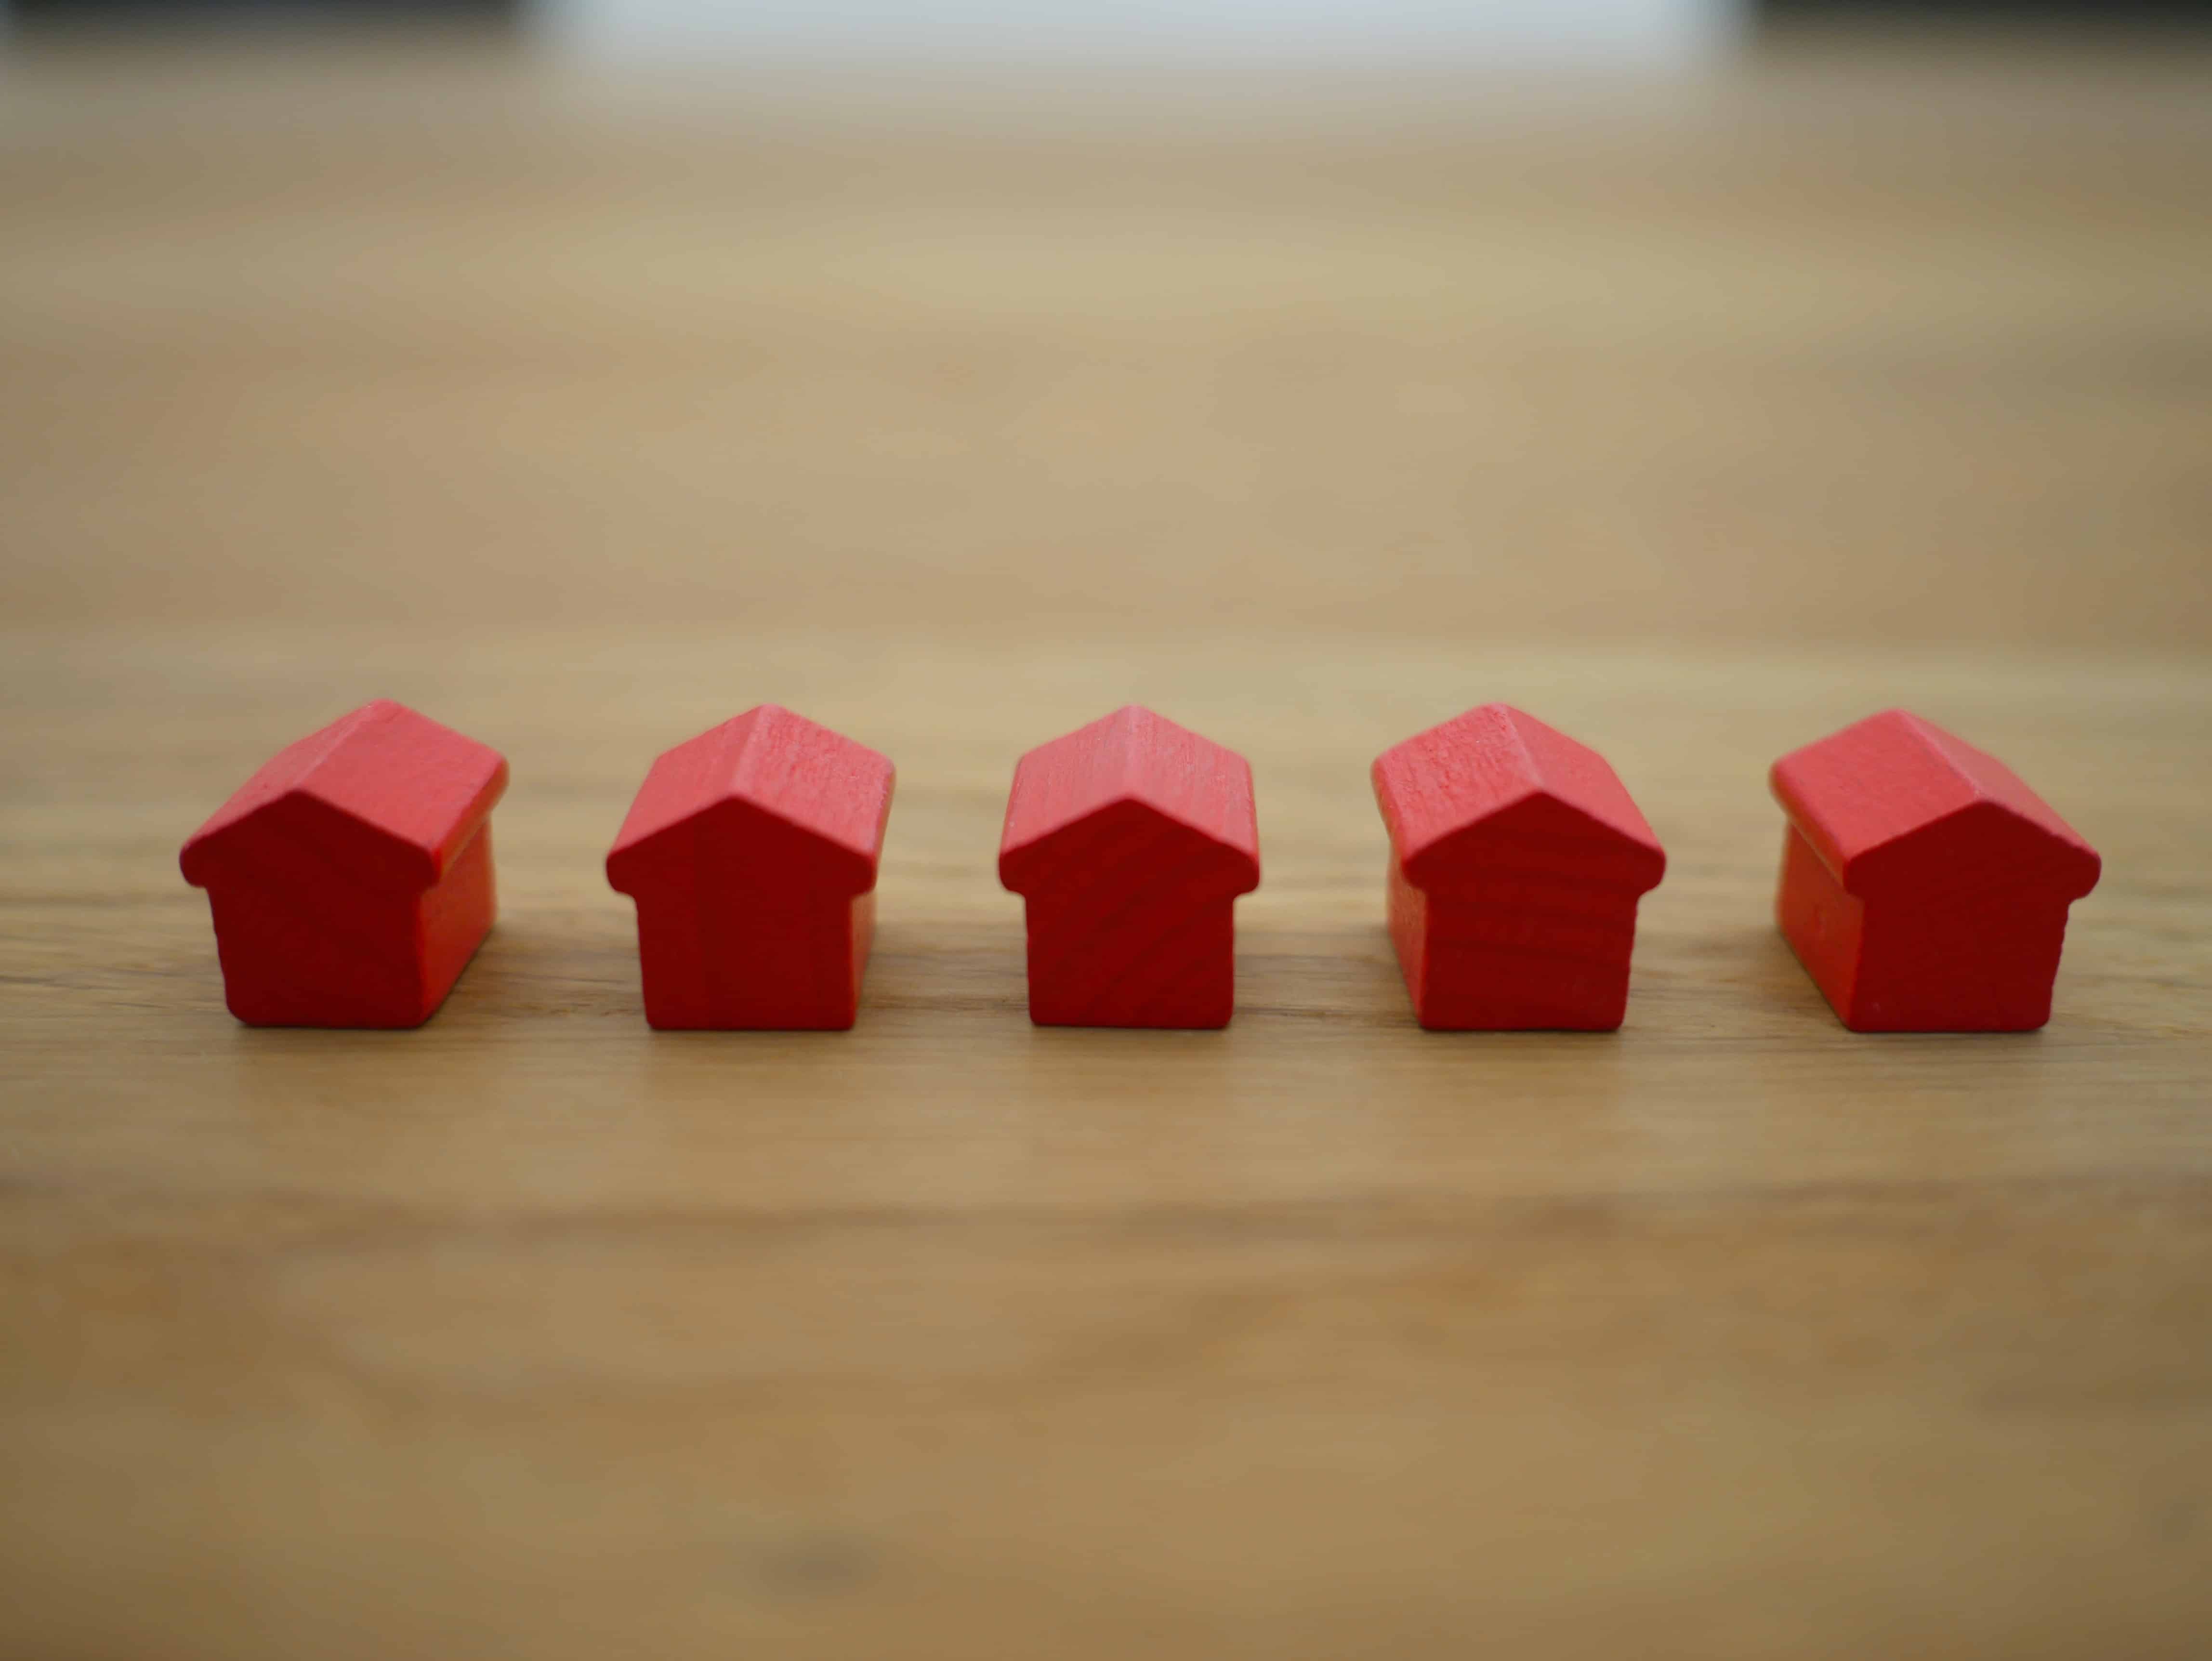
(390, 794)
(1079, 802)
(769, 778)
(1497, 790)
(1895, 804)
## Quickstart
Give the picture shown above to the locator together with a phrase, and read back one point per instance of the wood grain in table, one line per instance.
(1698, 433)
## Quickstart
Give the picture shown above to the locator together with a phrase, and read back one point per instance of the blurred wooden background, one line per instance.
(581, 414)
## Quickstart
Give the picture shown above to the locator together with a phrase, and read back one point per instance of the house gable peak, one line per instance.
(405, 792)
(1893, 803)
(1497, 786)
(1133, 764)
(768, 767)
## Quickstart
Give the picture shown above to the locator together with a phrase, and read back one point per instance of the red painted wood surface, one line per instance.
(1924, 887)
(351, 879)
(1516, 859)
(1129, 841)
(751, 852)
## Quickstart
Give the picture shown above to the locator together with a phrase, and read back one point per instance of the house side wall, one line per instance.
(1409, 928)
(456, 914)
(862, 934)
(1821, 921)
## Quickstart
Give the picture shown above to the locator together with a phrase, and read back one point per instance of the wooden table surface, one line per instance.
(582, 419)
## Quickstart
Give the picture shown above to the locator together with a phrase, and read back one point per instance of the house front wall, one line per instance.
(1983, 962)
(1522, 957)
(750, 949)
(1984, 968)
(295, 958)
(1118, 958)
(303, 945)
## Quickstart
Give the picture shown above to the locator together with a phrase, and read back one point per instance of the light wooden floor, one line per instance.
(582, 420)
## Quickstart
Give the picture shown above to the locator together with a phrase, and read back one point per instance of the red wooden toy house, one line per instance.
(351, 878)
(1924, 887)
(751, 852)
(1129, 841)
(1516, 859)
